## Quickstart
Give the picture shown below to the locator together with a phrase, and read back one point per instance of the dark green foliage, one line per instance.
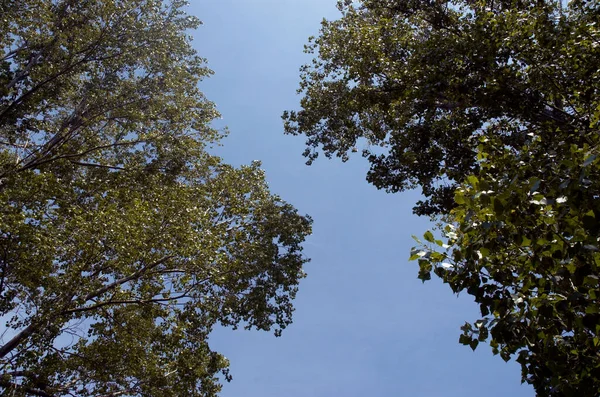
(492, 108)
(414, 81)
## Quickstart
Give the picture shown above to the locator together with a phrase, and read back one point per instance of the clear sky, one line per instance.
(364, 324)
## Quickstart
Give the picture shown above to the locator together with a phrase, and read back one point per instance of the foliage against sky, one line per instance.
(122, 240)
(491, 108)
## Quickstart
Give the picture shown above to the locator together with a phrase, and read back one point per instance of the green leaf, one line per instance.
(473, 181)
(464, 340)
(428, 236)
(592, 309)
(474, 344)
(425, 268)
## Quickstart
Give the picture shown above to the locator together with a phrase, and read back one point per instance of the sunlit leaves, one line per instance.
(411, 83)
(531, 262)
(491, 108)
(122, 241)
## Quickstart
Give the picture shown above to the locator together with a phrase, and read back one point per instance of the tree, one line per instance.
(524, 242)
(416, 80)
(491, 107)
(123, 242)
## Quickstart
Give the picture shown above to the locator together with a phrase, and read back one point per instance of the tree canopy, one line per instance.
(123, 242)
(412, 82)
(492, 108)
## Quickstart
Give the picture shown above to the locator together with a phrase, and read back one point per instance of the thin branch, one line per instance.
(112, 167)
(123, 280)
(14, 52)
(18, 338)
(184, 294)
(21, 74)
(38, 162)
(124, 302)
(40, 85)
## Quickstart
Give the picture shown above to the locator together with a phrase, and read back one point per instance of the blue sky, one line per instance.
(364, 324)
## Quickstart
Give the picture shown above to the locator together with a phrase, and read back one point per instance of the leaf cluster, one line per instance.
(413, 82)
(123, 242)
(492, 109)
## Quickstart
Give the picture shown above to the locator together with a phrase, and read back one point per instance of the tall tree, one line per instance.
(492, 108)
(414, 81)
(122, 240)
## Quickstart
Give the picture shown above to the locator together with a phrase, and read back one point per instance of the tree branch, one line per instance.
(18, 338)
(99, 305)
(123, 280)
(84, 164)
(35, 325)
